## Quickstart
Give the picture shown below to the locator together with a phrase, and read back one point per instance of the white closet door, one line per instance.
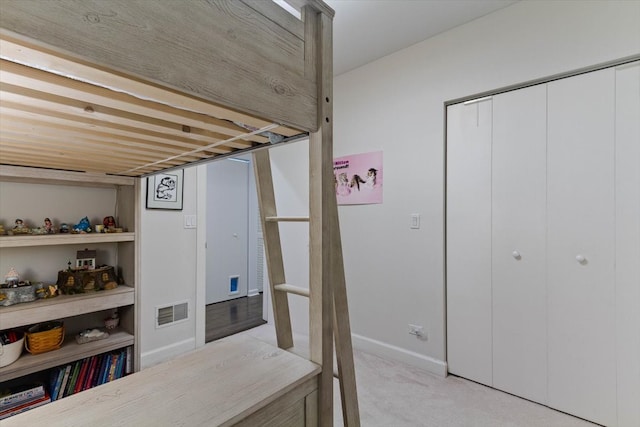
(581, 206)
(519, 244)
(469, 241)
(628, 242)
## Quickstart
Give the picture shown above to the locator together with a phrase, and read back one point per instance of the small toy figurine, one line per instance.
(12, 278)
(64, 228)
(84, 226)
(113, 321)
(109, 222)
(20, 227)
(48, 226)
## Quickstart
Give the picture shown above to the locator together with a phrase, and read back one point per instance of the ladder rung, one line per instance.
(292, 289)
(286, 219)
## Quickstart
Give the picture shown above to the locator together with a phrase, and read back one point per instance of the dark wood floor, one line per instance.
(230, 317)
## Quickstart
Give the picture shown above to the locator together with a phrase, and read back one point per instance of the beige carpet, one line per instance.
(392, 394)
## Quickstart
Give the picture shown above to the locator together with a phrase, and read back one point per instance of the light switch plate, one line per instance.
(415, 221)
(190, 221)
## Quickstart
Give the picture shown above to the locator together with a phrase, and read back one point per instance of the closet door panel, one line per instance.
(580, 257)
(519, 228)
(469, 241)
(628, 243)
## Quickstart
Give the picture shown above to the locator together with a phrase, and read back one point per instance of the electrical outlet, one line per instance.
(418, 331)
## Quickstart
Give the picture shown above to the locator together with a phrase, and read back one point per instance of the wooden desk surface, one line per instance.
(219, 384)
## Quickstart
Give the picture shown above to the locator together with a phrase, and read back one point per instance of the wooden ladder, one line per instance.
(328, 308)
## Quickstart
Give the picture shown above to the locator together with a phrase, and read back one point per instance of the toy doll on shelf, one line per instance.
(20, 227)
(48, 226)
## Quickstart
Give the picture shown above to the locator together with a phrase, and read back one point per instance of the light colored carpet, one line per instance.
(392, 394)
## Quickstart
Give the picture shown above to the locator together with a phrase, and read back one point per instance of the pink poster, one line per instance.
(358, 178)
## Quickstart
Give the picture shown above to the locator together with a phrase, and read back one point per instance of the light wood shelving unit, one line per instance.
(64, 239)
(81, 310)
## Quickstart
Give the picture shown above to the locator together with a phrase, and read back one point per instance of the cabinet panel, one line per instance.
(469, 241)
(580, 188)
(628, 243)
(518, 260)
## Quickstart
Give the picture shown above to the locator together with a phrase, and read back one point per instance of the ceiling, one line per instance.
(366, 30)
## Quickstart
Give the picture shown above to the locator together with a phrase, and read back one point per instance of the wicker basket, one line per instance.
(44, 337)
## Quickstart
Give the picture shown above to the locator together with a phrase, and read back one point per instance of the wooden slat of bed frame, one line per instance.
(42, 81)
(259, 66)
(28, 54)
(51, 120)
(78, 130)
(148, 128)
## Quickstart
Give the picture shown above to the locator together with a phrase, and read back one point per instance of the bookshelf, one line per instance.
(40, 257)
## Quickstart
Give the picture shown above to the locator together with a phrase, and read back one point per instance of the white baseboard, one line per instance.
(253, 292)
(388, 351)
(168, 352)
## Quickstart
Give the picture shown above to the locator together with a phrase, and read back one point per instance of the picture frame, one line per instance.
(164, 190)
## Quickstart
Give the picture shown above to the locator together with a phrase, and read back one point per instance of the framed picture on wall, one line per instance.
(164, 190)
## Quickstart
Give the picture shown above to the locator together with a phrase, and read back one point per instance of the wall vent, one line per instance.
(168, 315)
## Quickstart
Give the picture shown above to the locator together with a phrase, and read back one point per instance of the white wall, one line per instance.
(395, 275)
(168, 275)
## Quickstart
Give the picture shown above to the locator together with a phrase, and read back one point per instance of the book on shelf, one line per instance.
(65, 379)
(81, 375)
(120, 365)
(18, 395)
(112, 367)
(129, 360)
(98, 372)
(56, 380)
(33, 403)
(72, 379)
(90, 371)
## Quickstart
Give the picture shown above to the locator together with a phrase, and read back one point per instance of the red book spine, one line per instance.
(83, 372)
(90, 372)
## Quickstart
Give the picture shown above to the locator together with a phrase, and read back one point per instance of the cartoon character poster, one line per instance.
(358, 178)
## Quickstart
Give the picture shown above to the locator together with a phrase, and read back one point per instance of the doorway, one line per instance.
(233, 273)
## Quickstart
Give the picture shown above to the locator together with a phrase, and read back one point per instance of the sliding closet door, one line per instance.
(519, 244)
(628, 242)
(469, 241)
(581, 243)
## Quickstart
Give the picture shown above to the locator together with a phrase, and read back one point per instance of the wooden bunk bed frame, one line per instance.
(134, 87)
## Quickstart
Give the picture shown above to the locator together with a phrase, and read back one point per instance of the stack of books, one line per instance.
(22, 399)
(89, 372)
